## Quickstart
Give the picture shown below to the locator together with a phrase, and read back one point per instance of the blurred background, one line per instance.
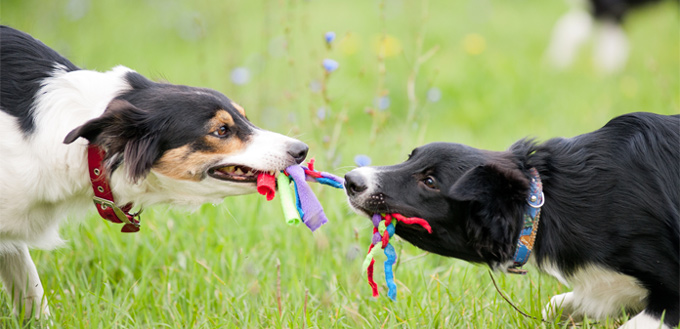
(349, 78)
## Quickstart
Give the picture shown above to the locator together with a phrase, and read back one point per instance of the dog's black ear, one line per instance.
(118, 113)
(90, 130)
(124, 131)
(495, 194)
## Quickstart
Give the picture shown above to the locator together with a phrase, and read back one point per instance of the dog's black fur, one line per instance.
(611, 201)
(24, 63)
(615, 10)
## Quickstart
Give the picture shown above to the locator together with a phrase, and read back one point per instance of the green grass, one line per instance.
(217, 266)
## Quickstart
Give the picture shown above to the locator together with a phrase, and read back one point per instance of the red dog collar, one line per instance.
(103, 197)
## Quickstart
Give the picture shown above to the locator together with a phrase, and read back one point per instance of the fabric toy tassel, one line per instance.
(389, 275)
(369, 273)
(306, 205)
(290, 211)
(383, 230)
(266, 185)
(313, 215)
(413, 220)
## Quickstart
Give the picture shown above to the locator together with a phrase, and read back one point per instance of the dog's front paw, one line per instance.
(561, 306)
(35, 307)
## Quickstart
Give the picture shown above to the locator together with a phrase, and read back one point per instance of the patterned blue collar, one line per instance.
(527, 237)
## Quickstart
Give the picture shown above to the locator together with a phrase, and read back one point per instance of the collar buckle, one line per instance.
(536, 200)
(120, 214)
(132, 221)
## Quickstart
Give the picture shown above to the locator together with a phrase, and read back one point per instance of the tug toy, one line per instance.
(305, 207)
(383, 230)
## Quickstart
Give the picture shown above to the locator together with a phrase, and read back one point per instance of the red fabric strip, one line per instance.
(369, 274)
(266, 185)
(413, 220)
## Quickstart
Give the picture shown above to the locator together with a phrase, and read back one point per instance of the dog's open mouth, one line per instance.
(236, 173)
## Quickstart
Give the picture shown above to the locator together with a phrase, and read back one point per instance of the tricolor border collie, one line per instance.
(602, 19)
(157, 143)
(600, 212)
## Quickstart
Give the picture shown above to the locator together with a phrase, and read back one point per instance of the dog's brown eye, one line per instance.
(221, 131)
(430, 182)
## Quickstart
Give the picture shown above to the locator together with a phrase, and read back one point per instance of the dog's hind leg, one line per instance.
(21, 281)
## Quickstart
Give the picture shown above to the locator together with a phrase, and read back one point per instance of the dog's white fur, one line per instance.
(43, 181)
(644, 321)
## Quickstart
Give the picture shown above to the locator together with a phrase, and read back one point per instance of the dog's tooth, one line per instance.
(238, 172)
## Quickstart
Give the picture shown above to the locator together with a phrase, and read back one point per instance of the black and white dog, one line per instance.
(601, 18)
(609, 225)
(164, 144)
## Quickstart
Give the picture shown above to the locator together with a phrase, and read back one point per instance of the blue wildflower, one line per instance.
(240, 75)
(321, 113)
(329, 36)
(434, 95)
(330, 65)
(362, 160)
(383, 103)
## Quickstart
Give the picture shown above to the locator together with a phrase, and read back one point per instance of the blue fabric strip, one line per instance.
(329, 182)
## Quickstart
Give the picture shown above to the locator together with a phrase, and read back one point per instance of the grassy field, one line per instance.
(475, 74)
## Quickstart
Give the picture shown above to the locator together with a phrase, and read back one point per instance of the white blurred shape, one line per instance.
(611, 47)
(569, 34)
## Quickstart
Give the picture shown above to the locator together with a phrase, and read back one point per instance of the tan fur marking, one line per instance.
(183, 163)
(221, 118)
(180, 163)
(222, 147)
(239, 108)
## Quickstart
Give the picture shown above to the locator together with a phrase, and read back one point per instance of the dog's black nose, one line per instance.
(298, 151)
(355, 183)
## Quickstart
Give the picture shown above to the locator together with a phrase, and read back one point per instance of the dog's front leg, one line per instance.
(21, 281)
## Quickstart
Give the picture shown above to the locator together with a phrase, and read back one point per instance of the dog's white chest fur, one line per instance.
(42, 179)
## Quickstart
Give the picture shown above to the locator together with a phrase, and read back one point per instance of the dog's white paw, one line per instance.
(561, 305)
(35, 307)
